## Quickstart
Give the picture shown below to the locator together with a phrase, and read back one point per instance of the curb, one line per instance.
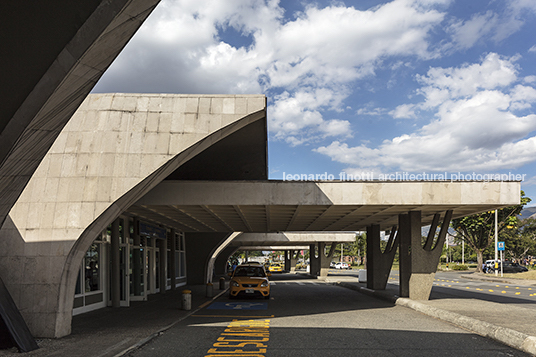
(159, 332)
(506, 336)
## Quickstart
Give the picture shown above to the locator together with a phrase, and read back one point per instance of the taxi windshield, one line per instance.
(250, 271)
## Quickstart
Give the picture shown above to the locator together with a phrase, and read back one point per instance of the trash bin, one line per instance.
(222, 283)
(362, 277)
(186, 300)
(210, 290)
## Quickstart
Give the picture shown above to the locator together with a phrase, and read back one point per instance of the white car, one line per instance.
(340, 265)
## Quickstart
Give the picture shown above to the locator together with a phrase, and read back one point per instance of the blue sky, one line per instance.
(360, 87)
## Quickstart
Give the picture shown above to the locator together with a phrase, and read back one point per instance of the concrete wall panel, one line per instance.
(80, 188)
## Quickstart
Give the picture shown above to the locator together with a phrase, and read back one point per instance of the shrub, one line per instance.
(459, 267)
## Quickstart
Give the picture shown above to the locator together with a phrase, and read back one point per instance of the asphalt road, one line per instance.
(310, 318)
(452, 284)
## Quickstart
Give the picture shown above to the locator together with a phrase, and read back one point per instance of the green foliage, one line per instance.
(520, 240)
(478, 230)
(459, 267)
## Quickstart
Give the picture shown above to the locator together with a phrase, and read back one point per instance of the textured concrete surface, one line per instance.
(114, 149)
(286, 206)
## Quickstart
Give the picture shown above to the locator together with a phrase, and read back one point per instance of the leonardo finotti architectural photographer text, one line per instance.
(405, 176)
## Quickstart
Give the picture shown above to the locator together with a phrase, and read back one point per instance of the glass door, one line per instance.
(137, 276)
(124, 276)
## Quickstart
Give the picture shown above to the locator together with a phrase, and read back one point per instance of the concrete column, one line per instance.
(379, 263)
(173, 275)
(162, 245)
(115, 267)
(314, 268)
(323, 260)
(293, 260)
(287, 260)
(418, 264)
(199, 250)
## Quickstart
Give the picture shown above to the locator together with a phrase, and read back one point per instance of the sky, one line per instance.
(366, 89)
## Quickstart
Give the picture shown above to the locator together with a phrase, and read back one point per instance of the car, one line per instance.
(249, 280)
(275, 268)
(509, 267)
(341, 265)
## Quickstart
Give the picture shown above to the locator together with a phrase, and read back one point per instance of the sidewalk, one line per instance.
(508, 323)
(113, 332)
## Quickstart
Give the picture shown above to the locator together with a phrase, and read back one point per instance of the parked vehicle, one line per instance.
(249, 280)
(341, 265)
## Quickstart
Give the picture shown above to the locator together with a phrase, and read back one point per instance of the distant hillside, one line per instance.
(529, 212)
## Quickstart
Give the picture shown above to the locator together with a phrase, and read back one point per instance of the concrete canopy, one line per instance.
(277, 206)
(290, 239)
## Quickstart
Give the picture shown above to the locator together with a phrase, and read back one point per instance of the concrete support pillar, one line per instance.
(287, 260)
(314, 267)
(199, 250)
(162, 245)
(323, 259)
(171, 266)
(320, 264)
(418, 263)
(379, 263)
(115, 267)
(293, 260)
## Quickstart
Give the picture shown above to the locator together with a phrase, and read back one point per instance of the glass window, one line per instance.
(78, 288)
(92, 268)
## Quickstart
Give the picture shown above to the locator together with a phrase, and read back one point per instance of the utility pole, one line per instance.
(495, 264)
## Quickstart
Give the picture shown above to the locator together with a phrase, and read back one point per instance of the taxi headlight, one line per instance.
(234, 283)
(265, 284)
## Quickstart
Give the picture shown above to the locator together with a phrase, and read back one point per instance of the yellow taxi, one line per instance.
(249, 280)
(275, 268)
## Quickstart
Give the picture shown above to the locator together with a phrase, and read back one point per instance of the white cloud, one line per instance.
(466, 33)
(532, 49)
(403, 111)
(320, 50)
(475, 125)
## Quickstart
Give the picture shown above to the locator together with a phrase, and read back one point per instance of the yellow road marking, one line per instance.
(205, 304)
(235, 316)
(246, 333)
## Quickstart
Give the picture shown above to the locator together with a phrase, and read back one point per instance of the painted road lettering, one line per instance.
(242, 338)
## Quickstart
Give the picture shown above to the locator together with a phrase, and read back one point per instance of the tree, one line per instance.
(478, 230)
(520, 241)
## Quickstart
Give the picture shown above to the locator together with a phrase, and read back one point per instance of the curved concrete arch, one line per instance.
(56, 51)
(193, 137)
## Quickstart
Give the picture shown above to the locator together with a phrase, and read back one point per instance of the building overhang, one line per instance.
(291, 239)
(272, 248)
(287, 206)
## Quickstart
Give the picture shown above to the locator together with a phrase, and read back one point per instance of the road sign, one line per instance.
(500, 245)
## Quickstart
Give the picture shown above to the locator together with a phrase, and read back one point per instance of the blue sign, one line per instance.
(152, 231)
(238, 306)
(500, 245)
